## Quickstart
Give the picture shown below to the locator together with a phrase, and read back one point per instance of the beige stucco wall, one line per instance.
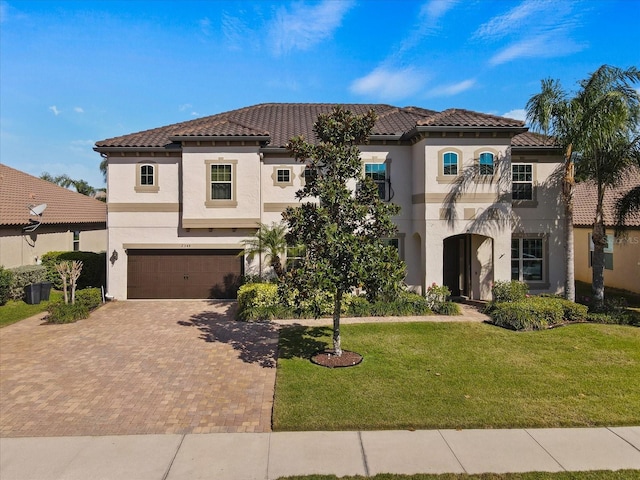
(626, 260)
(18, 249)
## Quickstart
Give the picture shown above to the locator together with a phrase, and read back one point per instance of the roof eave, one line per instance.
(108, 149)
(220, 138)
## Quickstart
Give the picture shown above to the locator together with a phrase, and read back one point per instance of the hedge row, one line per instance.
(94, 268)
(265, 301)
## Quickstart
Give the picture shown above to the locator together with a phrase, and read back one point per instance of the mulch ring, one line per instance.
(328, 359)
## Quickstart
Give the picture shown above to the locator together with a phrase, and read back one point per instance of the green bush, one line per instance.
(357, 306)
(24, 276)
(89, 297)
(436, 296)
(255, 299)
(512, 291)
(614, 318)
(536, 313)
(94, 268)
(60, 312)
(449, 308)
(6, 279)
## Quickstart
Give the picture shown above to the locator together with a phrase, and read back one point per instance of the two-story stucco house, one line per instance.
(479, 201)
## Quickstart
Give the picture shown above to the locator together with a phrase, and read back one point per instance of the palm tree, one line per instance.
(271, 242)
(600, 123)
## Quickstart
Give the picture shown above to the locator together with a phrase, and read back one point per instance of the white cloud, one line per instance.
(205, 26)
(434, 9)
(78, 109)
(55, 110)
(515, 19)
(304, 26)
(430, 13)
(543, 46)
(387, 84)
(453, 89)
(517, 114)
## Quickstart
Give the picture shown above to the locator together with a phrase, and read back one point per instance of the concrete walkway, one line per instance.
(239, 456)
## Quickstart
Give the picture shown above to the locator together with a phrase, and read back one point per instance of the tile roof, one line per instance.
(19, 190)
(532, 139)
(584, 201)
(281, 121)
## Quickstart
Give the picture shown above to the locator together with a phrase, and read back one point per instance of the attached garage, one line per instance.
(183, 273)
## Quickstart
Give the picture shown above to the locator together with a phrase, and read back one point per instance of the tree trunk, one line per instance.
(337, 347)
(567, 193)
(599, 238)
(276, 263)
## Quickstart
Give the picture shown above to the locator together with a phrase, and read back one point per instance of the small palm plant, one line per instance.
(270, 241)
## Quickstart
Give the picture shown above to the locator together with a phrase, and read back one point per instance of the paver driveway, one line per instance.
(137, 367)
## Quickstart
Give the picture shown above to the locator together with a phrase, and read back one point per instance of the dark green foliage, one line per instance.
(89, 297)
(24, 276)
(93, 268)
(449, 308)
(60, 312)
(512, 291)
(357, 306)
(537, 313)
(6, 278)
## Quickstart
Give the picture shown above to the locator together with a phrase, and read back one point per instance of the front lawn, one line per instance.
(460, 375)
(15, 310)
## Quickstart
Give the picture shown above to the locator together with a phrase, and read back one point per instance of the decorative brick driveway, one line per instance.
(138, 367)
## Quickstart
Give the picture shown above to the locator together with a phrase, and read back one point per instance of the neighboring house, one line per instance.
(70, 221)
(479, 201)
(622, 255)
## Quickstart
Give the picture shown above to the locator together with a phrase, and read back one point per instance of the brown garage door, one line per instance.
(183, 273)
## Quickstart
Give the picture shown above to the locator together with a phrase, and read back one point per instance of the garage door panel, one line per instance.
(183, 274)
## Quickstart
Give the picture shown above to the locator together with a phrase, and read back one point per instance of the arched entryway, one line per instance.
(468, 265)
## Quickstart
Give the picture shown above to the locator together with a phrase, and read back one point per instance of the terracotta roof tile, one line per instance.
(456, 117)
(531, 139)
(19, 190)
(584, 209)
(281, 121)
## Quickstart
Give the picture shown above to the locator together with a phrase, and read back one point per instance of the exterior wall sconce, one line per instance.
(114, 257)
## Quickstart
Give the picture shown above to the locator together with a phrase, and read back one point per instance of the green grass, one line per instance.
(460, 375)
(14, 311)
(594, 475)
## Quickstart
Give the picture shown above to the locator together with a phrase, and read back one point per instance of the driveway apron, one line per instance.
(138, 367)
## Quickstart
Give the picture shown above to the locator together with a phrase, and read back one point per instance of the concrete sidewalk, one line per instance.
(239, 456)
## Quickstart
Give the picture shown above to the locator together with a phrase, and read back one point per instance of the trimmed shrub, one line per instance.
(536, 313)
(573, 312)
(60, 312)
(89, 297)
(357, 306)
(6, 278)
(24, 276)
(255, 300)
(94, 268)
(512, 291)
(449, 308)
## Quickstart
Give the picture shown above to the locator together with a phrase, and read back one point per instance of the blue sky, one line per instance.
(74, 72)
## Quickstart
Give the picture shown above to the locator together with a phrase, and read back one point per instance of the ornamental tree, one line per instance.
(344, 224)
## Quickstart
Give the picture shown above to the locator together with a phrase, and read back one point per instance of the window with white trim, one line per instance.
(522, 181)
(486, 163)
(528, 259)
(283, 175)
(221, 181)
(450, 163)
(378, 173)
(76, 241)
(608, 252)
(295, 256)
(147, 175)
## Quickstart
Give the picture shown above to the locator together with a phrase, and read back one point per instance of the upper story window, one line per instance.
(378, 173)
(310, 173)
(282, 176)
(221, 183)
(522, 181)
(147, 177)
(486, 163)
(450, 163)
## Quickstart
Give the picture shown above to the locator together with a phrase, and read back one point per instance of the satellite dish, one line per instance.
(35, 211)
(38, 209)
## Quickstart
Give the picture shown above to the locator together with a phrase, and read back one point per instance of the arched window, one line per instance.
(147, 175)
(450, 163)
(486, 163)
